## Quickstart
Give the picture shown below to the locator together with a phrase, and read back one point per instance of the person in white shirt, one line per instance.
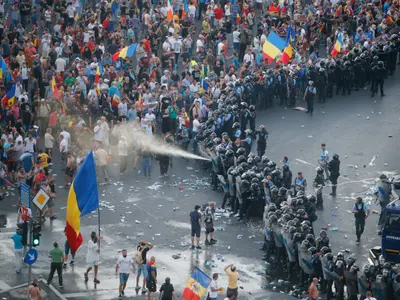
(48, 142)
(30, 144)
(66, 135)
(60, 64)
(192, 12)
(227, 9)
(236, 39)
(105, 130)
(177, 48)
(63, 148)
(213, 289)
(97, 132)
(93, 257)
(150, 116)
(124, 264)
(196, 129)
(166, 46)
(46, 42)
(71, 11)
(18, 90)
(199, 45)
(122, 108)
(248, 58)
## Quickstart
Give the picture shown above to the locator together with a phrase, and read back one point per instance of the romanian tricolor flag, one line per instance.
(99, 72)
(3, 68)
(290, 35)
(54, 88)
(185, 9)
(83, 198)
(125, 52)
(116, 100)
(170, 13)
(273, 46)
(197, 285)
(287, 54)
(338, 45)
(8, 99)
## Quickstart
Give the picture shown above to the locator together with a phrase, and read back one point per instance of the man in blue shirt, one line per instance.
(18, 250)
(361, 212)
(300, 183)
(324, 160)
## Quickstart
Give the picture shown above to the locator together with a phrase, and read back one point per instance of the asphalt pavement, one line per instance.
(357, 127)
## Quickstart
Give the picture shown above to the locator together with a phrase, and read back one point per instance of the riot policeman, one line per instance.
(262, 136)
(322, 80)
(319, 184)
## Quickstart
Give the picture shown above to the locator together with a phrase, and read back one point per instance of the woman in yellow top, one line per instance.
(233, 277)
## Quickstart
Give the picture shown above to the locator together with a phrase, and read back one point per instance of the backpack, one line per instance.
(139, 256)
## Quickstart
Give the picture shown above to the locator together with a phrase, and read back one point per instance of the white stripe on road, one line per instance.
(4, 286)
(61, 296)
(307, 163)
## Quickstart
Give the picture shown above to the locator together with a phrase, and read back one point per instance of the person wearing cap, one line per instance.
(57, 260)
(123, 268)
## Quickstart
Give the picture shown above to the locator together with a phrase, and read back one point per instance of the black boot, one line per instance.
(333, 191)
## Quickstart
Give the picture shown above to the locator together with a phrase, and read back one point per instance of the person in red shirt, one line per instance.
(106, 23)
(218, 14)
(91, 44)
(146, 44)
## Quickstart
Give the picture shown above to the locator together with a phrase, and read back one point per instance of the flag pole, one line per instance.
(98, 214)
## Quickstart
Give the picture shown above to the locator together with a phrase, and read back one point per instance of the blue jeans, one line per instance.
(146, 165)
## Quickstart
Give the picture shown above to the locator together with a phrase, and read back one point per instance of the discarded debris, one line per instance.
(240, 236)
(176, 256)
(137, 221)
(155, 187)
(371, 163)
(189, 168)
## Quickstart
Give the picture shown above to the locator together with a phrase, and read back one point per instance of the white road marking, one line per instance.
(4, 286)
(307, 163)
(61, 296)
